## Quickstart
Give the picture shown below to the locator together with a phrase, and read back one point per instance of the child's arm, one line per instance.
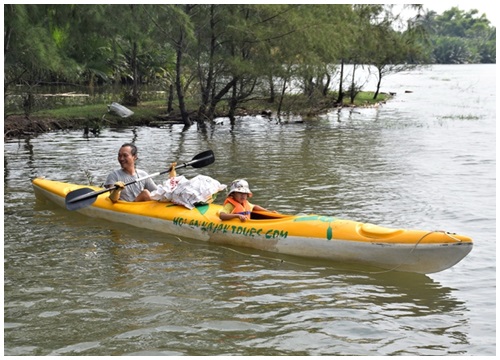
(225, 216)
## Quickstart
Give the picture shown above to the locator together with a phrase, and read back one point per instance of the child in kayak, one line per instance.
(236, 204)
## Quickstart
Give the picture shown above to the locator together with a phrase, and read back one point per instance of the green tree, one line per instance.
(221, 56)
(31, 54)
(143, 55)
(363, 45)
(395, 51)
(322, 54)
(174, 29)
(463, 37)
(78, 32)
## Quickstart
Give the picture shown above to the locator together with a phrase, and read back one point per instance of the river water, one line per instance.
(426, 159)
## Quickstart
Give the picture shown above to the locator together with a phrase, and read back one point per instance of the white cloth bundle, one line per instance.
(188, 193)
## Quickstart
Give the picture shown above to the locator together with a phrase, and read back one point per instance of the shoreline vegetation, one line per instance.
(209, 61)
(92, 118)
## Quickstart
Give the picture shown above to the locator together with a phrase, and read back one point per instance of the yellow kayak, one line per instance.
(310, 236)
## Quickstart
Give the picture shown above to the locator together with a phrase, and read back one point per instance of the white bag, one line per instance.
(189, 193)
(120, 110)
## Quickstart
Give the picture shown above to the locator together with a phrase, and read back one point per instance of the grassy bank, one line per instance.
(93, 117)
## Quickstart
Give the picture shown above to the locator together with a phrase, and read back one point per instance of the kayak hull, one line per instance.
(309, 236)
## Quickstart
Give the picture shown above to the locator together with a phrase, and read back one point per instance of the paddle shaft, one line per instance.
(97, 193)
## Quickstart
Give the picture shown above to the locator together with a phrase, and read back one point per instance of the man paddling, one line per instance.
(83, 197)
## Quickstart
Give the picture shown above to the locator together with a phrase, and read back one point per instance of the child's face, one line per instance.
(240, 197)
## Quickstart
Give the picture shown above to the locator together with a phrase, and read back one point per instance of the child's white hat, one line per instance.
(239, 185)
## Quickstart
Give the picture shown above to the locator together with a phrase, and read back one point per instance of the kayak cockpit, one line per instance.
(267, 215)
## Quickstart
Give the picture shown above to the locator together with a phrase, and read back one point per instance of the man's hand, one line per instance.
(119, 185)
(172, 172)
(115, 193)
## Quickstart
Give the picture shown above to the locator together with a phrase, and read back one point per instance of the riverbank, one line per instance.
(89, 118)
(18, 126)
(92, 118)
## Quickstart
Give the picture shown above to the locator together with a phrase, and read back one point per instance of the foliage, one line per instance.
(216, 57)
(459, 37)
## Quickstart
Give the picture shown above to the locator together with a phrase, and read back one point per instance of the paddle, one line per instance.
(84, 197)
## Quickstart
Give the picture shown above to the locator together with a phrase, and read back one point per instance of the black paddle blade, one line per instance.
(73, 204)
(203, 159)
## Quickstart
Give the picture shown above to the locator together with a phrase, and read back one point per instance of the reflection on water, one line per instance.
(81, 286)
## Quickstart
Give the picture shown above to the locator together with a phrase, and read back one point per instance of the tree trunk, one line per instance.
(340, 97)
(272, 95)
(135, 90)
(232, 106)
(207, 85)
(178, 84)
(283, 89)
(352, 90)
(327, 85)
(219, 96)
(170, 100)
(378, 83)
